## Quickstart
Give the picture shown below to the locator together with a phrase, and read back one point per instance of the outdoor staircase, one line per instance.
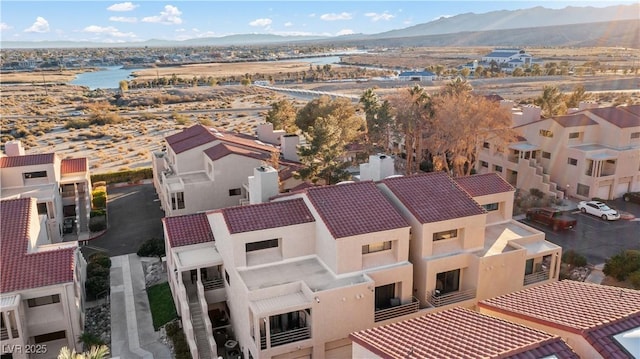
(204, 352)
(542, 181)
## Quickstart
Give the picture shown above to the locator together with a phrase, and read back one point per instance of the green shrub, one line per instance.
(99, 201)
(622, 264)
(153, 247)
(573, 258)
(129, 176)
(95, 286)
(97, 213)
(101, 259)
(634, 278)
(97, 226)
(89, 340)
(536, 193)
(97, 270)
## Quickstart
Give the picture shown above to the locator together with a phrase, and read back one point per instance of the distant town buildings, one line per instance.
(590, 152)
(508, 59)
(42, 286)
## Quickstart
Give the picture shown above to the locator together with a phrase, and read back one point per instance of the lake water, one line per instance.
(110, 76)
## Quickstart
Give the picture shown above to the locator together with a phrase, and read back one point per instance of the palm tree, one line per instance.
(551, 102)
(96, 352)
(457, 87)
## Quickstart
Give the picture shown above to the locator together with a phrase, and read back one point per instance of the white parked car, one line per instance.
(599, 209)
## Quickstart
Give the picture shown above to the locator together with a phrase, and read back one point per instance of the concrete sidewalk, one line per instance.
(132, 334)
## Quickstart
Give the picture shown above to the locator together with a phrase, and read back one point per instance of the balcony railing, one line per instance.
(213, 284)
(286, 337)
(536, 277)
(4, 334)
(439, 300)
(398, 311)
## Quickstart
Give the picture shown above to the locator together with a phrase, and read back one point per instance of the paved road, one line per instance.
(134, 216)
(595, 238)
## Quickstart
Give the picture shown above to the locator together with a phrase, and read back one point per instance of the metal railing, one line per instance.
(536, 277)
(4, 333)
(286, 337)
(213, 284)
(398, 311)
(438, 300)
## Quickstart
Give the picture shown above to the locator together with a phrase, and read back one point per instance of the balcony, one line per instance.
(4, 333)
(213, 284)
(286, 337)
(536, 277)
(439, 300)
(398, 311)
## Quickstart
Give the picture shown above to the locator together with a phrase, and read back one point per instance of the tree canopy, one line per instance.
(283, 116)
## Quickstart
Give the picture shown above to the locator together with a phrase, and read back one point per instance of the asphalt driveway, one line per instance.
(134, 216)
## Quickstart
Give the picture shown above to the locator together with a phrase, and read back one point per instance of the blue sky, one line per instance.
(127, 21)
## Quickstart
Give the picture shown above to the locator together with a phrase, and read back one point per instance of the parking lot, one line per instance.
(595, 238)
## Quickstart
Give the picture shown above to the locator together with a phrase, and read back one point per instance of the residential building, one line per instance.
(457, 333)
(509, 59)
(203, 169)
(296, 275)
(62, 187)
(464, 239)
(42, 284)
(597, 321)
(592, 152)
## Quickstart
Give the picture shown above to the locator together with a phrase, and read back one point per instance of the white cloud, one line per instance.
(261, 22)
(5, 26)
(334, 16)
(124, 6)
(345, 32)
(170, 16)
(180, 30)
(123, 19)
(41, 25)
(108, 30)
(288, 24)
(376, 16)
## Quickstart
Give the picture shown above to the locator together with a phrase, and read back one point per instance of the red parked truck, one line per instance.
(552, 217)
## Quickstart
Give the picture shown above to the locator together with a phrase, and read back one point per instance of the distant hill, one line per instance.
(517, 19)
(538, 26)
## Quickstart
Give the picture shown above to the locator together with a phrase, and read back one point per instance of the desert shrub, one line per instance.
(622, 264)
(77, 123)
(573, 258)
(153, 247)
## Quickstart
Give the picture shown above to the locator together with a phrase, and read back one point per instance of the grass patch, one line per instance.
(161, 303)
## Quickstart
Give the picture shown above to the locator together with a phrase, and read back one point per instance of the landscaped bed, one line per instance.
(161, 304)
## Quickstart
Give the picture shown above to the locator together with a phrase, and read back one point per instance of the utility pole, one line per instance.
(44, 84)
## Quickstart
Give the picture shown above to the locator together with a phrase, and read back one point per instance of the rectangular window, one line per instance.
(528, 266)
(546, 155)
(491, 207)
(383, 296)
(574, 135)
(484, 164)
(546, 133)
(235, 192)
(42, 208)
(445, 235)
(49, 337)
(376, 247)
(635, 135)
(177, 200)
(497, 168)
(46, 300)
(447, 282)
(572, 161)
(37, 174)
(256, 246)
(582, 190)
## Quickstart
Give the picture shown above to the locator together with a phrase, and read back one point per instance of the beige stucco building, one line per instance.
(291, 278)
(203, 169)
(42, 286)
(592, 152)
(62, 187)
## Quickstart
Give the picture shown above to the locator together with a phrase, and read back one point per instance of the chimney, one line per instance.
(289, 147)
(14, 148)
(531, 113)
(263, 184)
(267, 134)
(380, 166)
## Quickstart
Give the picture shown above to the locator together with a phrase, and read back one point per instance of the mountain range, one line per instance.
(572, 26)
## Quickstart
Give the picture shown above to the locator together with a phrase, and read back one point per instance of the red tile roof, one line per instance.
(26, 160)
(355, 208)
(224, 149)
(568, 305)
(73, 165)
(266, 215)
(618, 116)
(189, 138)
(460, 333)
(574, 120)
(244, 140)
(433, 197)
(602, 338)
(188, 229)
(634, 109)
(484, 184)
(21, 270)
